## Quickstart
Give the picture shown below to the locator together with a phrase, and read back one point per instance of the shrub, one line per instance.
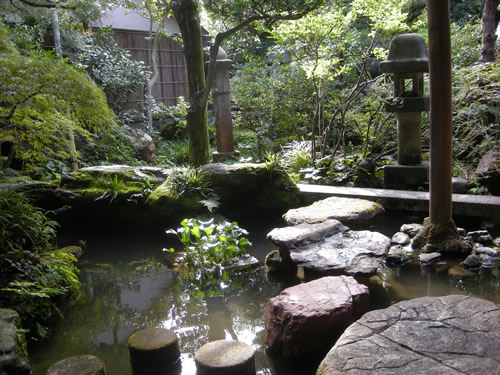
(44, 103)
(31, 280)
(22, 226)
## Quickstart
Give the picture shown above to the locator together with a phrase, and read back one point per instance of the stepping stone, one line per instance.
(306, 319)
(357, 253)
(428, 335)
(153, 350)
(354, 213)
(225, 357)
(78, 365)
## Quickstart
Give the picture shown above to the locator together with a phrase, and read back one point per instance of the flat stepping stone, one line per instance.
(153, 350)
(306, 319)
(305, 233)
(354, 213)
(429, 335)
(225, 357)
(78, 365)
(357, 253)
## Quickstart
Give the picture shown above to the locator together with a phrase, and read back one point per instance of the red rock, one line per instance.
(308, 318)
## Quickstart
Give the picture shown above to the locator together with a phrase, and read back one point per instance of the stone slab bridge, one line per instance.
(463, 204)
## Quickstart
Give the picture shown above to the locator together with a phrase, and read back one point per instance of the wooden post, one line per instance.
(440, 111)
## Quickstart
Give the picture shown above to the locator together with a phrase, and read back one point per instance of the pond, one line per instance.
(126, 287)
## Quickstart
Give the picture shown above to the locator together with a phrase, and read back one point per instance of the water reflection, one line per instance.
(125, 287)
(117, 301)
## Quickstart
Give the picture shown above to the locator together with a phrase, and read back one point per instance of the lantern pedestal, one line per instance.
(397, 176)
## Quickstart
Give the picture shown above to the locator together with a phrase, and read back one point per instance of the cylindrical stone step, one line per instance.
(78, 365)
(225, 357)
(154, 351)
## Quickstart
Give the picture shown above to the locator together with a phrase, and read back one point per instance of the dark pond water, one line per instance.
(126, 287)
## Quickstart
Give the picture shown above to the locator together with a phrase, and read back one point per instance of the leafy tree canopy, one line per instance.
(43, 100)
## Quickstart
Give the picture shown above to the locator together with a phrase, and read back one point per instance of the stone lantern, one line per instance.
(408, 60)
(221, 95)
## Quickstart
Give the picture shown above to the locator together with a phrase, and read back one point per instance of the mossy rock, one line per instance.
(14, 358)
(241, 188)
(252, 188)
(165, 202)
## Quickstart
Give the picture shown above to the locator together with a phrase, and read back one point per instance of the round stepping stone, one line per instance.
(428, 335)
(225, 357)
(78, 365)
(153, 351)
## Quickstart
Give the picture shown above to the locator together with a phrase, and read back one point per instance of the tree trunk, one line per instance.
(187, 16)
(489, 26)
(73, 155)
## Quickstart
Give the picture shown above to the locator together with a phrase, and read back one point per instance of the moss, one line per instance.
(164, 201)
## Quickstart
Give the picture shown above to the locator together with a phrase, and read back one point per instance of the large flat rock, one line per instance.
(303, 234)
(429, 335)
(354, 213)
(357, 253)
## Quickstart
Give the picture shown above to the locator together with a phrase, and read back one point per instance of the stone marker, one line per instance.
(306, 319)
(354, 213)
(154, 351)
(428, 335)
(225, 357)
(78, 365)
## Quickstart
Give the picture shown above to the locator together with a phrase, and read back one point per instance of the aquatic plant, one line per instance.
(210, 249)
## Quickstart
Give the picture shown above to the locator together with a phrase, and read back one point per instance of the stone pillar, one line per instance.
(221, 95)
(409, 138)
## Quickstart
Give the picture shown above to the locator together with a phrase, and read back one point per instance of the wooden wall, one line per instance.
(172, 81)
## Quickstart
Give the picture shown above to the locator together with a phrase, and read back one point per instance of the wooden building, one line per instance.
(132, 31)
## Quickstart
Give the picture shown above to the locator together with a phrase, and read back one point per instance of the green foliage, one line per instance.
(112, 185)
(172, 120)
(113, 147)
(209, 250)
(22, 226)
(465, 44)
(43, 101)
(54, 170)
(465, 11)
(38, 285)
(237, 11)
(273, 101)
(296, 156)
(30, 283)
(476, 90)
(148, 185)
(189, 180)
(109, 65)
(171, 153)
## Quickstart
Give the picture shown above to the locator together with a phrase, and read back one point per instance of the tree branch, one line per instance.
(50, 4)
